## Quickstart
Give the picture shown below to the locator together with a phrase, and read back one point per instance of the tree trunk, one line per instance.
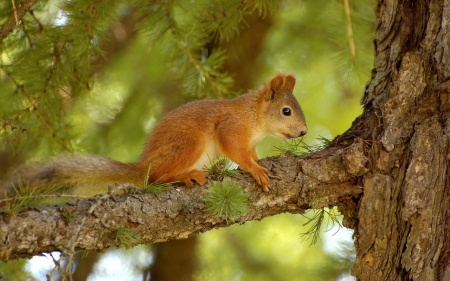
(403, 216)
(401, 222)
(173, 260)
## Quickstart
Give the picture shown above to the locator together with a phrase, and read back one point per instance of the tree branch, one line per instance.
(313, 181)
(9, 24)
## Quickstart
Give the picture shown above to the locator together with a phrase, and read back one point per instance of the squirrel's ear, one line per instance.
(274, 87)
(290, 83)
(277, 85)
(277, 82)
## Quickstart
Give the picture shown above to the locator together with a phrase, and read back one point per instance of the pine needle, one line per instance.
(128, 237)
(157, 186)
(220, 169)
(313, 232)
(298, 146)
(28, 197)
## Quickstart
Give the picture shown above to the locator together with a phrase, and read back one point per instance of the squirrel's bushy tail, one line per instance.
(80, 175)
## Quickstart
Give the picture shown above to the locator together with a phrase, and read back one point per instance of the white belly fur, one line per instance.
(212, 152)
(208, 157)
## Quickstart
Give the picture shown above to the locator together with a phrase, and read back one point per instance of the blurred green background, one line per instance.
(94, 77)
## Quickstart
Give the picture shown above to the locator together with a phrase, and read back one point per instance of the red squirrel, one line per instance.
(185, 141)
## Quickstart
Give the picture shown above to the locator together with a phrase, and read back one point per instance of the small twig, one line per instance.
(46, 196)
(33, 108)
(57, 52)
(91, 10)
(70, 251)
(351, 41)
(188, 52)
(32, 103)
(41, 27)
(57, 267)
(7, 27)
(15, 14)
(27, 34)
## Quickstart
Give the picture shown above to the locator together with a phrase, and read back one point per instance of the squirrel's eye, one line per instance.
(286, 111)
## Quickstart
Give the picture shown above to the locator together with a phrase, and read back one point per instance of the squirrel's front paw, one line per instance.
(261, 176)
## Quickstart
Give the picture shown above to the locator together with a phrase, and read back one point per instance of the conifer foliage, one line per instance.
(53, 55)
(47, 56)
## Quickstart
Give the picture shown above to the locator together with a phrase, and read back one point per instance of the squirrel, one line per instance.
(185, 141)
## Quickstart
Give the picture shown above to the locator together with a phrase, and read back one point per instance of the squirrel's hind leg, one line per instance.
(186, 156)
(196, 175)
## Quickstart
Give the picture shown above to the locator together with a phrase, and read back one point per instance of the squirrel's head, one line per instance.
(282, 115)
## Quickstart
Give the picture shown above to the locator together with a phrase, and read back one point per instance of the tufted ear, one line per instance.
(290, 83)
(277, 82)
(277, 86)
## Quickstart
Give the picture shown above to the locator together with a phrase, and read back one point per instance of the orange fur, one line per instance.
(188, 139)
(196, 133)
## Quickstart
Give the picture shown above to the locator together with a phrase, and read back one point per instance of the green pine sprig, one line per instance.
(220, 169)
(128, 237)
(30, 197)
(317, 219)
(226, 199)
(157, 186)
(298, 146)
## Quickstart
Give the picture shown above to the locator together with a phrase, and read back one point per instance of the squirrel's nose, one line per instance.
(303, 132)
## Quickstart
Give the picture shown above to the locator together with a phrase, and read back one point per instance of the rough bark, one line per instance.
(403, 215)
(318, 180)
